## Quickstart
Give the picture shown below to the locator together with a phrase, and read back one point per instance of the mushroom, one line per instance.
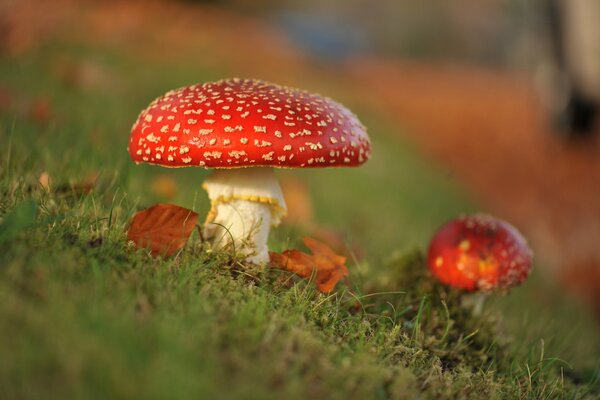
(243, 128)
(479, 253)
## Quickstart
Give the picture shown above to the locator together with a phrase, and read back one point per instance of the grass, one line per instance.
(83, 315)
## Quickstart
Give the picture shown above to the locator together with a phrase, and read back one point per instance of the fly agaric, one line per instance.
(479, 253)
(243, 128)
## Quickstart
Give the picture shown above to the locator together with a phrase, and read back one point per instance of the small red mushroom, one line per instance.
(479, 253)
(243, 128)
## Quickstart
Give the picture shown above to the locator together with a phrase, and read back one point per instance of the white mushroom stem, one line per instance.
(245, 204)
(475, 302)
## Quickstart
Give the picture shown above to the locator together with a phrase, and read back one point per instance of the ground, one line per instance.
(82, 314)
(490, 131)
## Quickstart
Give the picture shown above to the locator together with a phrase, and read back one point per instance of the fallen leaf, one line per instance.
(44, 181)
(163, 228)
(40, 110)
(338, 242)
(78, 188)
(327, 267)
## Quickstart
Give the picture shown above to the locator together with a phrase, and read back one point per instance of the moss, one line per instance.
(83, 315)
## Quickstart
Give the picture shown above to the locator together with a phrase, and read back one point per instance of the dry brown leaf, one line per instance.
(338, 242)
(327, 267)
(163, 228)
(40, 110)
(44, 181)
(70, 189)
(77, 188)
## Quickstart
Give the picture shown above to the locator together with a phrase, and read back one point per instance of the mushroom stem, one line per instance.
(245, 203)
(475, 302)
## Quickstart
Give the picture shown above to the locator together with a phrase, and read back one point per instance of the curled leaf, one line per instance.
(163, 228)
(327, 267)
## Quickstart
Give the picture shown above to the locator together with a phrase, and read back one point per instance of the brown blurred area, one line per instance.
(457, 75)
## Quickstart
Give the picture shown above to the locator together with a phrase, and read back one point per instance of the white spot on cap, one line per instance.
(268, 156)
(151, 138)
(237, 154)
(230, 129)
(188, 112)
(262, 143)
(314, 146)
(213, 154)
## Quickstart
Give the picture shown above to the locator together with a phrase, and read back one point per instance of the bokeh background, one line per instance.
(467, 103)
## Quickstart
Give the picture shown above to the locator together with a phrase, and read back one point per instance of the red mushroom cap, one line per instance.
(479, 252)
(243, 123)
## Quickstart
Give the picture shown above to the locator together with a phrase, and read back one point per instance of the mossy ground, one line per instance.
(83, 315)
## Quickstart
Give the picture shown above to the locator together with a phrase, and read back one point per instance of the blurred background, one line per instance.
(472, 106)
